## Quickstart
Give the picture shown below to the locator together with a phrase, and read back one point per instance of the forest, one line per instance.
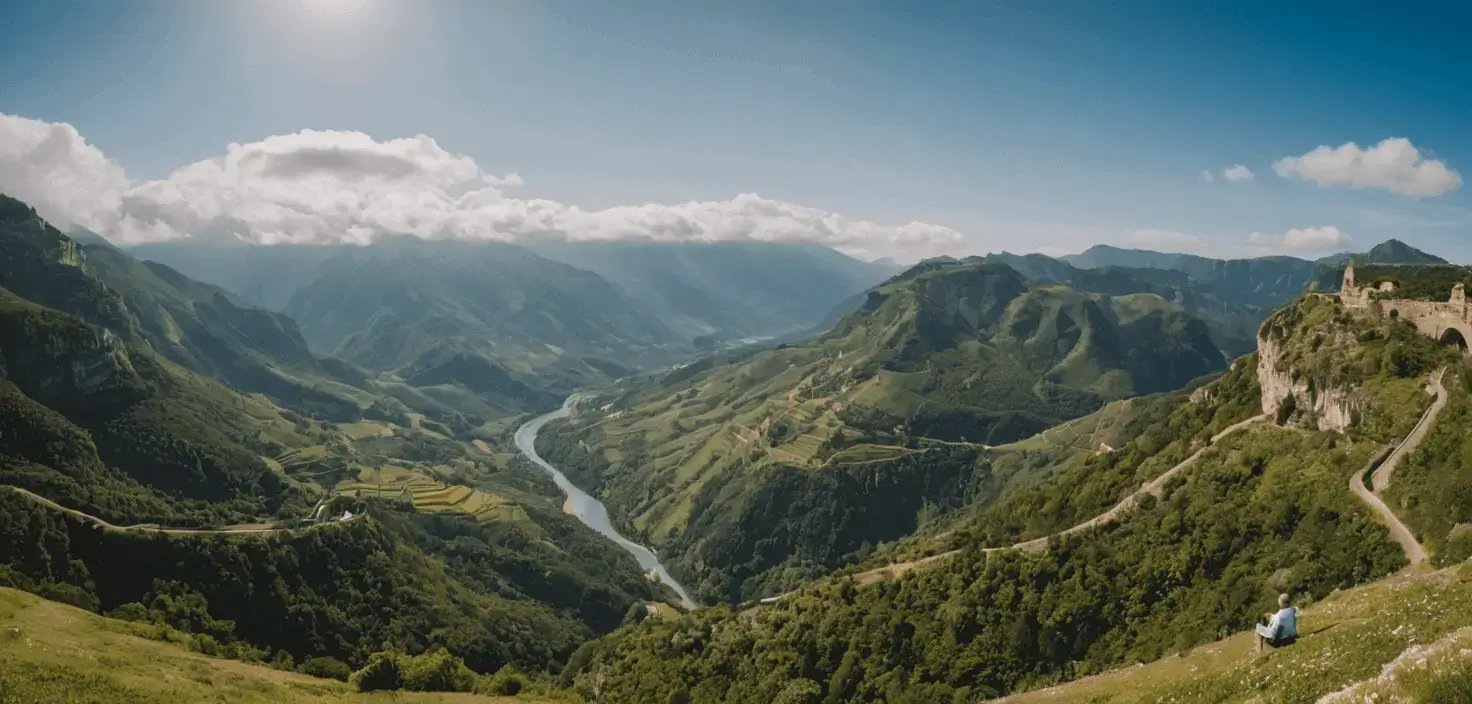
(1204, 561)
(1262, 512)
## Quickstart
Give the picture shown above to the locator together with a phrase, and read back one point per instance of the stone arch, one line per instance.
(1454, 336)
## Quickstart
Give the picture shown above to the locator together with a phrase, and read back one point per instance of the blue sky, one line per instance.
(1028, 125)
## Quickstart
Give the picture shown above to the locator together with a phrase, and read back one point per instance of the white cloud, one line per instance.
(1238, 173)
(348, 187)
(49, 166)
(1303, 240)
(1168, 240)
(1395, 165)
(1207, 177)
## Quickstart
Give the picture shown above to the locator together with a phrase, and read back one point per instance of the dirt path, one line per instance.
(1154, 487)
(247, 529)
(1380, 480)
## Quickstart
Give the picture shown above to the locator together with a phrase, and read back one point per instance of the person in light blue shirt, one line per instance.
(1281, 628)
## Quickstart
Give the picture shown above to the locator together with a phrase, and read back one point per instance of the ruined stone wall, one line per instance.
(1432, 318)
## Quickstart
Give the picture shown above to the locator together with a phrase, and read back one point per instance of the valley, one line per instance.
(735, 353)
(892, 411)
(973, 478)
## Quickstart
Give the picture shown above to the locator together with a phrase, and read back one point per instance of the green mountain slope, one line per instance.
(1398, 252)
(263, 276)
(1263, 511)
(725, 290)
(408, 302)
(213, 333)
(1233, 325)
(755, 471)
(462, 548)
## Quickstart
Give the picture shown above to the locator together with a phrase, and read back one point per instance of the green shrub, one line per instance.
(508, 681)
(435, 671)
(68, 594)
(326, 668)
(381, 673)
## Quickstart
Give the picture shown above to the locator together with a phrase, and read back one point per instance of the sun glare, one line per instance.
(333, 40)
(330, 9)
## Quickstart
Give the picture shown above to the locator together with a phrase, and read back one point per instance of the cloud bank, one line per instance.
(321, 187)
(1307, 240)
(1394, 165)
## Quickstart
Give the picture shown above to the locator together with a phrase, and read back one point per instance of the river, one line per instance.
(588, 509)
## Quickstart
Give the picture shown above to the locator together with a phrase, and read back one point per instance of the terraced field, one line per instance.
(367, 429)
(429, 494)
(301, 460)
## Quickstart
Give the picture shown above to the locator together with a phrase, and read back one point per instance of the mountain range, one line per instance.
(711, 461)
(114, 405)
(966, 478)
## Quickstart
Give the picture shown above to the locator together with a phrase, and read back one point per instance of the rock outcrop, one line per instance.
(1329, 408)
(62, 361)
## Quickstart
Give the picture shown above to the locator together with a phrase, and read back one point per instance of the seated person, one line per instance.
(1282, 627)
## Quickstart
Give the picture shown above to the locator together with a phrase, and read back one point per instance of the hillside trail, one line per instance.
(1380, 479)
(258, 529)
(1154, 487)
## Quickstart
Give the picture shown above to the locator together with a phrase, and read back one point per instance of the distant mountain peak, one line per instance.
(1393, 251)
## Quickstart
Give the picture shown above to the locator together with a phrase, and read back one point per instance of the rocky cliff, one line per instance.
(57, 359)
(1325, 406)
(43, 266)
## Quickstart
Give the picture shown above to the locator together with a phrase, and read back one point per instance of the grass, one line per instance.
(52, 652)
(1350, 639)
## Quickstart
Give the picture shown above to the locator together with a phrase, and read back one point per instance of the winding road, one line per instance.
(1380, 480)
(1154, 487)
(147, 528)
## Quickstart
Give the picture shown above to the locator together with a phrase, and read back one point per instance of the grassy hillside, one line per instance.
(1401, 639)
(53, 652)
(1264, 511)
(756, 471)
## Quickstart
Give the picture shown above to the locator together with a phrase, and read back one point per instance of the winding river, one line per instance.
(586, 508)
